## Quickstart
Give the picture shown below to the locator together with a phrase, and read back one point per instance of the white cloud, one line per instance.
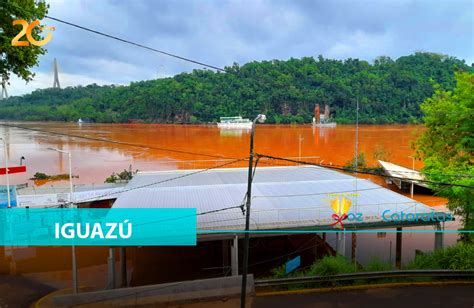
(361, 43)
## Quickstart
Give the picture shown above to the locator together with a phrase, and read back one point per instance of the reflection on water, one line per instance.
(231, 132)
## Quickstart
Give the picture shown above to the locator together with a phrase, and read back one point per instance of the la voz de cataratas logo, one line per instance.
(342, 203)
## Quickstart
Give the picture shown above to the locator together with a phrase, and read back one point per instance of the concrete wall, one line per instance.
(217, 292)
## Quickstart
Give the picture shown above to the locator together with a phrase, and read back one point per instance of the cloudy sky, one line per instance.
(222, 32)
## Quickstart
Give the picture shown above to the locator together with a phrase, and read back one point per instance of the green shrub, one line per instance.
(375, 265)
(40, 176)
(329, 265)
(457, 257)
(125, 175)
(361, 162)
(279, 272)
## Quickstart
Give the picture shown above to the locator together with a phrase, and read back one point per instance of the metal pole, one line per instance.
(356, 150)
(72, 205)
(6, 172)
(398, 248)
(123, 267)
(73, 247)
(390, 254)
(247, 221)
(412, 188)
(299, 146)
(71, 190)
(111, 265)
(235, 256)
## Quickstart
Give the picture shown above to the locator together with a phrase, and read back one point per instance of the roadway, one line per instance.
(18, 291)
(458, 296)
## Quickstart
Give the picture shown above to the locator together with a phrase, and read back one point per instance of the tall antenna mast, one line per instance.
(356, 146)
(356, 162)
(56, 75)
(4, 90)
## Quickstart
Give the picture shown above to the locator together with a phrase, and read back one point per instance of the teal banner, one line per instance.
(97, 227)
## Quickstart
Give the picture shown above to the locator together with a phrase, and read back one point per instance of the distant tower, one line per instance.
(317, 114)
(4, 90)
(56, 77)
(326, 112)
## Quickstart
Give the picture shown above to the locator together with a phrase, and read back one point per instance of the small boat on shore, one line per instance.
(234, 122)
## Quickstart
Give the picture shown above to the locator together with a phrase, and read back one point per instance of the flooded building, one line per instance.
(296, 211)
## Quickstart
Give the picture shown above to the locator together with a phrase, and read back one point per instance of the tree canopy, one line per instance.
(447, 146)
(19, 60)
(389, 91)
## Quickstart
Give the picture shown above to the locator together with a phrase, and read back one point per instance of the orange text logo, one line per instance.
(27, 30)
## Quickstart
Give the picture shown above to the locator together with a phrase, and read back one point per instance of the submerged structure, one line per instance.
(309, 211)
(322, 120)
(403, 177)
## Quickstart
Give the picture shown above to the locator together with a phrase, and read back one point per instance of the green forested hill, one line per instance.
(389, 91)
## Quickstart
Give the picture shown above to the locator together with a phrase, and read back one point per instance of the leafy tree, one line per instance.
(19, 59)
(447, 146)
(125, 175)
(361, 163)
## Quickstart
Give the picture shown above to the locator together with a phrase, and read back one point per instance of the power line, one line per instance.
(164, 53)
(398, 171)
(299, 249)
(363, 172)
(316, 194)
(294, 195)
(162, 181)
(424, 173)
(205, 65)
(136, 44)
(337, 167)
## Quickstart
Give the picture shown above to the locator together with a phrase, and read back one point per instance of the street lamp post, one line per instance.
(260, 118)
(6, 172)
(72, 205)
(299, 146)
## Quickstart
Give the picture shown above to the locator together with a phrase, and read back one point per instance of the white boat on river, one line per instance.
(234, 122)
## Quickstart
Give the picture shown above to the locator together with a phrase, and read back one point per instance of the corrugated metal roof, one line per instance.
(236, 176)
(282, 197)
